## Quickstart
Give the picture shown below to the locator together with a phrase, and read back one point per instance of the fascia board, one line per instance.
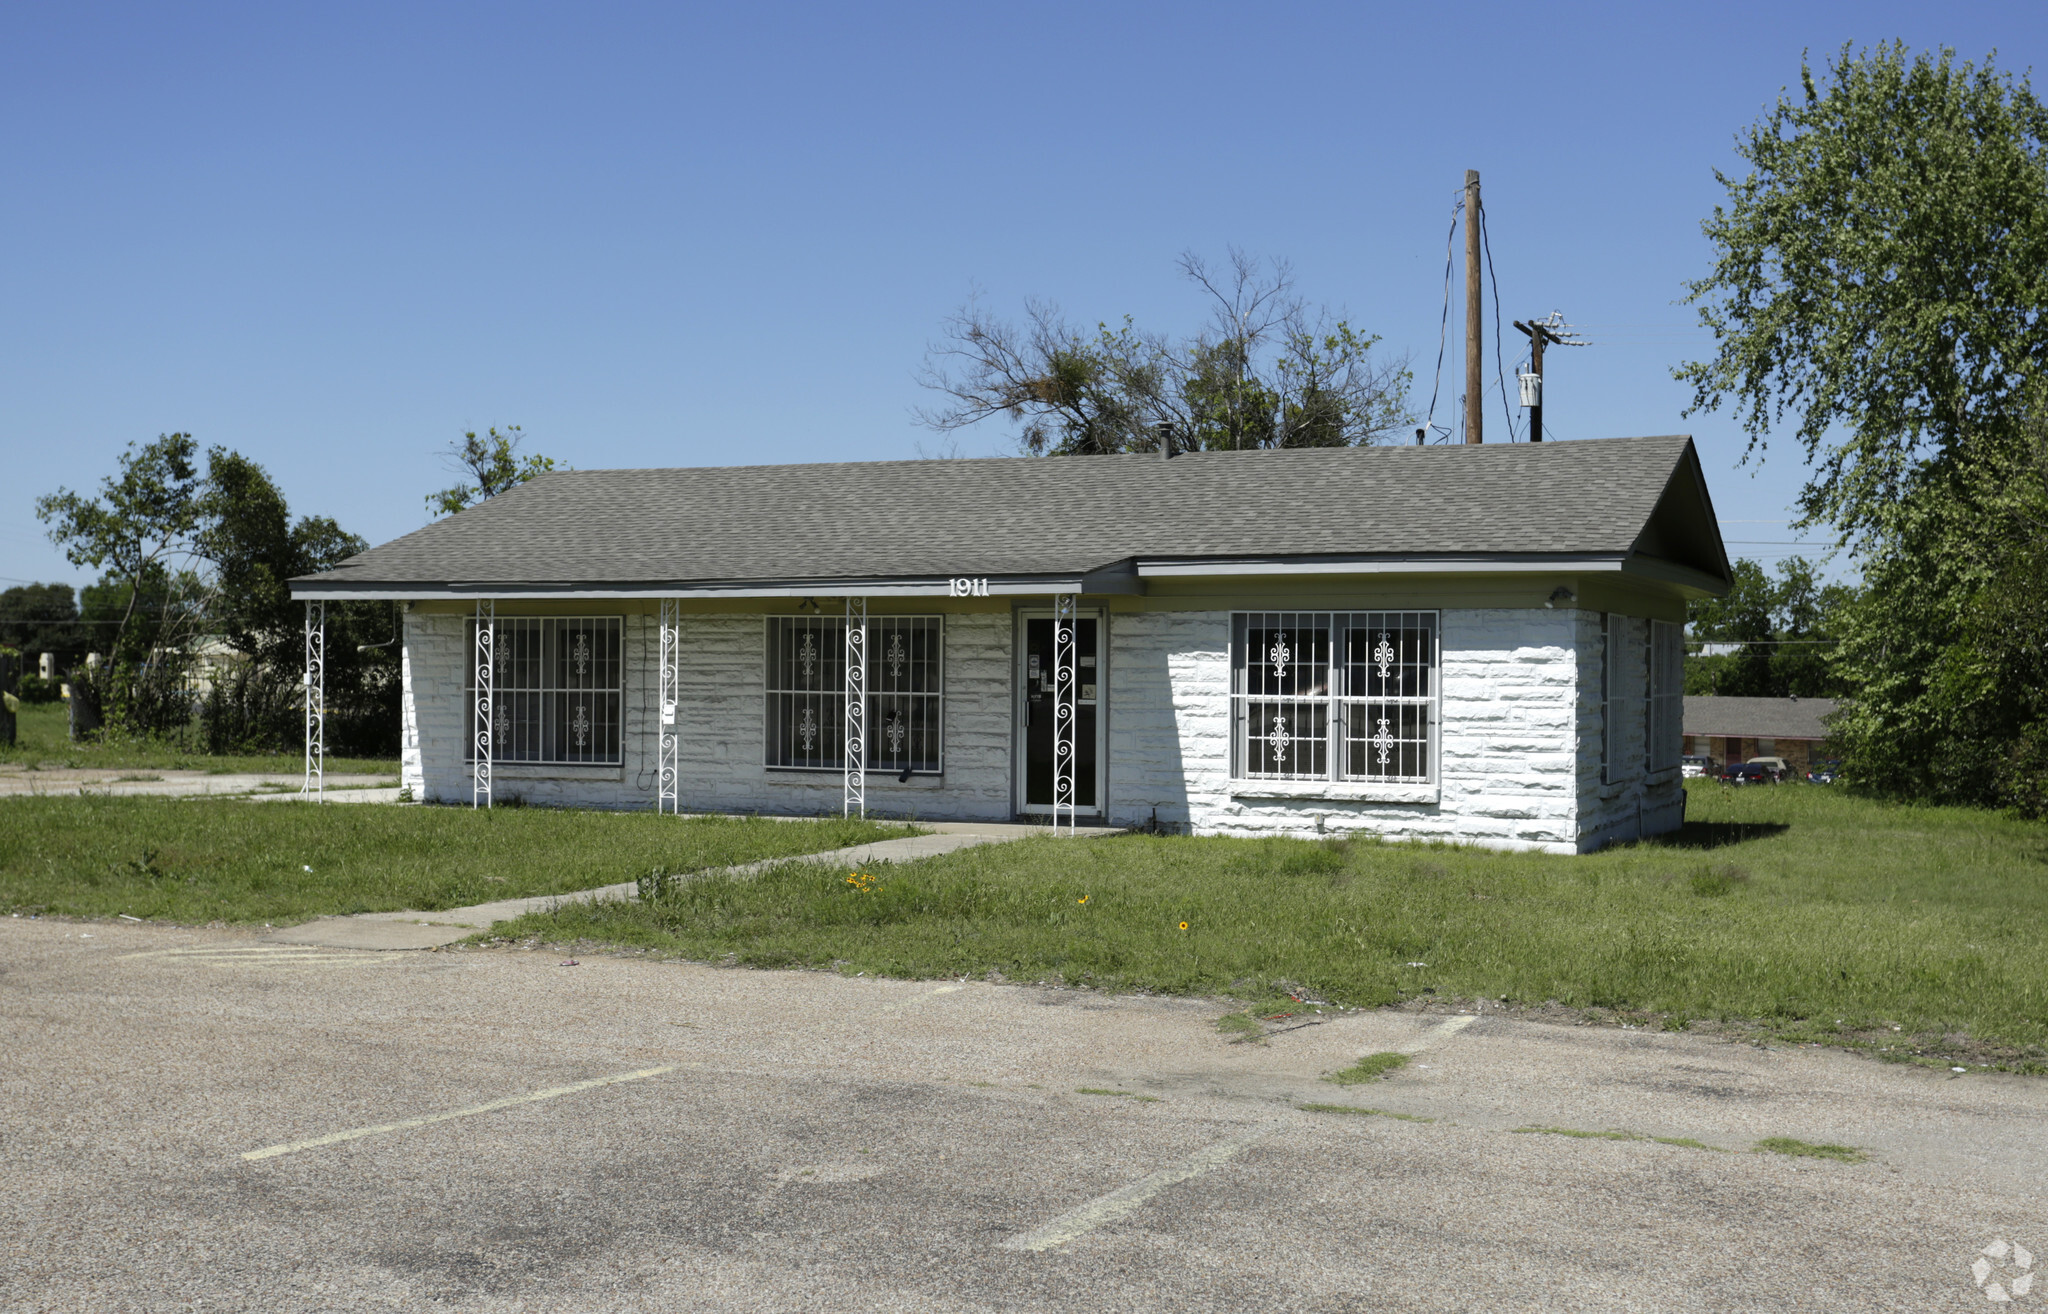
(1490, 565)
(936, 588)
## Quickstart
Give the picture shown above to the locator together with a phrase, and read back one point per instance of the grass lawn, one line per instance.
(205, 860)
(41, 740)
(1796, 910)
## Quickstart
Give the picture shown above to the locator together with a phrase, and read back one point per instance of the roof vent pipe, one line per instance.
(1165, 431)
(1420, 434)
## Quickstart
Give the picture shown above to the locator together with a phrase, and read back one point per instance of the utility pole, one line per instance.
(1541, 331)
(1475, 393)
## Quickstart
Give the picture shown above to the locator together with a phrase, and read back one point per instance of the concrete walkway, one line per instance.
(429, 930)
(63, 782)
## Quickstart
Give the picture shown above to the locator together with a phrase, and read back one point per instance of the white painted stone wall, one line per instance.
(1519, 745)
(1509, 738)
(1624, 800)
(723, 714)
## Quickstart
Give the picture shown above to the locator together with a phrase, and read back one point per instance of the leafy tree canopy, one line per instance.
(185, 555)
(1267, 371)
(1881, 273)
(39, 618)
(489, 465)
(1881, 278)
(1787, 627)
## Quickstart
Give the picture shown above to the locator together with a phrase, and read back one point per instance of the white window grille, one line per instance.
(557, 690)
(905, 704)
(1334, 696)
(1667, 695)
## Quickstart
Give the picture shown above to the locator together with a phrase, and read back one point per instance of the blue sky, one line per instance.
(335, 237)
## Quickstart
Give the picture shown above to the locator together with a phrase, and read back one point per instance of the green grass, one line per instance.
(1807, 1150)
(1370, 1068)
(42, 740)
(1686, 1141)
(1240, 1026)
(1370, 1113)
(204, 860)
(1800, 910)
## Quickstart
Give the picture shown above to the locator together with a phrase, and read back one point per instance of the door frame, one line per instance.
(1020, 704)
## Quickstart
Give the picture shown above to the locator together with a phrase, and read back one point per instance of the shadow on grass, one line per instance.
(1718, 834)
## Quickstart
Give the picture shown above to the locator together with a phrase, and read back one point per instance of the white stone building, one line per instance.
(1472, 644)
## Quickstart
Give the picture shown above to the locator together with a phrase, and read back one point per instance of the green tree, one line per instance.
(1880, 274)
(1786, 627)
(1267, 371)
(141, 532)
(489, 466)
(40, 618)
(186, 555)
(1881, 279)
(253, 548)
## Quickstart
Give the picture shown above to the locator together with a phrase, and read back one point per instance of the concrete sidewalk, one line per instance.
(61, 782)
(429, 930)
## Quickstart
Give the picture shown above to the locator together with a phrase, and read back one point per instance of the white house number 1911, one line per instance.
(962, 587)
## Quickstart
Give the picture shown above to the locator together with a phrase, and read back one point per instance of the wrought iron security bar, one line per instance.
(668, 798)
(902, 729)
(555, 689)
(315, 785)
(1335, 696)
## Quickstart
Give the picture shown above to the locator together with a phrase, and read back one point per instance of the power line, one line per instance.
(1500, 370)
(1444, 328)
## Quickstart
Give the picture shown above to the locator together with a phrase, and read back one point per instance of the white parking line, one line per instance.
(335, 1138)
(1109, 1208)
(263, 955)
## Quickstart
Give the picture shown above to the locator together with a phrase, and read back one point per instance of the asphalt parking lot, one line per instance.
(200, 1120)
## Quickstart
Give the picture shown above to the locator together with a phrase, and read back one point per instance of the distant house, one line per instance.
(1481, 644)
(1738, 729)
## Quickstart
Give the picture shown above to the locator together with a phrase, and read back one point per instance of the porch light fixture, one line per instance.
(1562, 593)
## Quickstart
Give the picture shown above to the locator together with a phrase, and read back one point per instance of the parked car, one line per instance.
(1695, 765)
(1825, 771)
(1747, 773)
(1777, 766)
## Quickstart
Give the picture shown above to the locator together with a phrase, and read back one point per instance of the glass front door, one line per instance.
(1035, 712)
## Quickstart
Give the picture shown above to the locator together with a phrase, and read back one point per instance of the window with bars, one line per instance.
(556, 689)
(1334, 696)
(905, 683)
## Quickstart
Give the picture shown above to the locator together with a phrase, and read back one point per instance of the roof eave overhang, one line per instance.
(1116, 578)
(1384, 564)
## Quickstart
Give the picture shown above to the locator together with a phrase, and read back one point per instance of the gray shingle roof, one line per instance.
(1041, 516)
(1758, 718)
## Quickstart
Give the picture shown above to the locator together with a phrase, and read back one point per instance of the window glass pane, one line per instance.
(1387, 741)
(807, 693)
(1389, 655)
(1287, 654)
(1287, 737)
(1343, 695)
(557, 685)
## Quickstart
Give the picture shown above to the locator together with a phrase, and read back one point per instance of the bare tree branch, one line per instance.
(1265, 371)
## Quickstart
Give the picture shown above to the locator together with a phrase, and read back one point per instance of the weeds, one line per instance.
(1370, 1113)
(1932, 920)
(204, 860)
(1686, 1142)
(1372, 1067)
(1807, 1150)
(1240, 1026)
